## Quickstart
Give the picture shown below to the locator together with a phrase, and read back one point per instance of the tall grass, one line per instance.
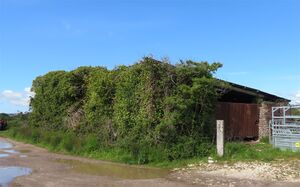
(262, 151)
(70, 143)
(90, 146)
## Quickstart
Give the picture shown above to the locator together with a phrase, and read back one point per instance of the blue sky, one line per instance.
(258, 41)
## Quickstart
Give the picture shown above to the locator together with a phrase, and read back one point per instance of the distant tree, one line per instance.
(4, 116)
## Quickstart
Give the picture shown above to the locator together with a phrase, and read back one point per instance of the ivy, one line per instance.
(151, 105)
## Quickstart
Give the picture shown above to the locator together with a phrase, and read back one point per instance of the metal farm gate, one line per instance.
(241, 119)
(285, 127)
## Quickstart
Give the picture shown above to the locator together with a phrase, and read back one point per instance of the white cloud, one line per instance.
(297, 97)
(28, 92)
(17, 98)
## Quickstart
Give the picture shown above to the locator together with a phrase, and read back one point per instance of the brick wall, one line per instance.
(265, 115)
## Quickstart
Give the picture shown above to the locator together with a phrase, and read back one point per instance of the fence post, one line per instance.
(220, 137)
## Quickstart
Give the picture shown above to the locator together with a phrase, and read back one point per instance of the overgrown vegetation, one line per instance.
(262, 151)
(149, 113)
(4, 116)
(89, 146)
(295, 111)
(152, 110)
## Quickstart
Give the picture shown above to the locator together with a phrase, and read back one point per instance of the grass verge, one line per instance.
(88, 146)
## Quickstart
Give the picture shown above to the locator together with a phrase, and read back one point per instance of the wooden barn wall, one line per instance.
(241, 120)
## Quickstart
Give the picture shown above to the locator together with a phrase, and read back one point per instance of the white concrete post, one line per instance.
(220, 137)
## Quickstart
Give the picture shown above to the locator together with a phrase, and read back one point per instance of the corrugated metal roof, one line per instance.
(255, 92)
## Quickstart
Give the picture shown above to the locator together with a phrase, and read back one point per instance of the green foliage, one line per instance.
(295, 111)
(239, 151)
(59, 95)
(98, 108)
(16, 119)
(91, 143)
(142, 109)
(55, 141)
(88, 145)
(54, 95)
(265, 139)
(4, 116)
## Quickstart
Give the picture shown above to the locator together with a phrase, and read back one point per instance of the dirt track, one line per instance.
(50, 169)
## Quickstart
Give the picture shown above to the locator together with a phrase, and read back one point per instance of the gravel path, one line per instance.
(276, 173)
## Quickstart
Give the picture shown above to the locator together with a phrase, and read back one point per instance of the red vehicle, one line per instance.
(3, 124)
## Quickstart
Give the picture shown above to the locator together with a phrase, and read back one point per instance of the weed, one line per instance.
(89, 146)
